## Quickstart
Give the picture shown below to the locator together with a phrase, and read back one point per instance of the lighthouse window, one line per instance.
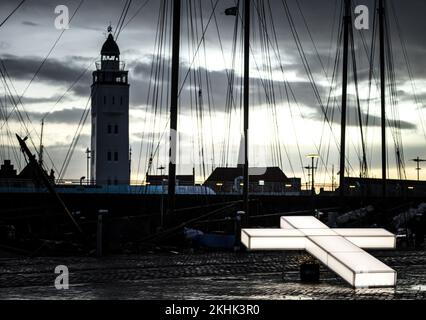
(118, 79)
(115, 156)
(109, 156)
(109, 129)
(116, 129)
(105, 100)
(113, 100)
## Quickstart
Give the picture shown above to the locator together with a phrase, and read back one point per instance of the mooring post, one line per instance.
(237, 230)
(99, 237)
(99, 233)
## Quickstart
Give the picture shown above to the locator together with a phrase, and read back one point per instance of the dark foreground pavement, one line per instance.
(218, 276)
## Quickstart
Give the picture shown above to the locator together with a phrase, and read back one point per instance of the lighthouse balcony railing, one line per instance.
(110, 65)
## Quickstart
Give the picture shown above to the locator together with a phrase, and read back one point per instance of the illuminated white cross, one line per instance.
(338, 249)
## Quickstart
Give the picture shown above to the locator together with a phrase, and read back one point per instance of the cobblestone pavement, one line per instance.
(200, 276)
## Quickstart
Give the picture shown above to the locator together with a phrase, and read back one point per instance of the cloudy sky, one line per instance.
(287, 113)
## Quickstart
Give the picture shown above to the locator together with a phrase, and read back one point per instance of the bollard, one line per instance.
(237, 230)
(99, 237)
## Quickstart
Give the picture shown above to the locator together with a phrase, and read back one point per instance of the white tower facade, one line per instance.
(110, 118)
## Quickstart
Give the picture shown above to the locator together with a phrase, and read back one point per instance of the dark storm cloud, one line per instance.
(37, 100)
(140, 72)
(30, 23)
(53, 71)
(66, 116)
(353, 119)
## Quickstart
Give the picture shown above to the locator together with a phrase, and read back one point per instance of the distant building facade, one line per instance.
(110, 158)
(261, 180)
(26, 178)
(368, 187)
(181, 180)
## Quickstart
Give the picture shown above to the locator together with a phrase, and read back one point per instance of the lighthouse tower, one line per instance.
(110, 118)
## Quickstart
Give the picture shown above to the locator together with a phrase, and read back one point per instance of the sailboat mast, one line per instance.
(246, 104)
(40, 157)
(383, 90)
(347, 20)
(174, 104)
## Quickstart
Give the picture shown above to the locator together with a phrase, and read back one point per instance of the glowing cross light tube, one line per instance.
(338, 249)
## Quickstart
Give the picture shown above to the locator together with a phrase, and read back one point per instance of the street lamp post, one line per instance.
(162, 196)
(418, 160)
(88, 157)
(313, 168)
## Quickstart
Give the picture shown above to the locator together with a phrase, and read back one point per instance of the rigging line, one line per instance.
(76, 81)
(198, 48)
(307, 68)
(263, 37)
(371, 66)
(158, 69)
(303, 55)
(191, 99)
(207, 86)
(12, 96)
(137, 12)
(48, 55)
(124, 18)
(312, 39)
(408, 64)
(231, 106)
(222, 50)
(332, 102)
(286, 88)
(396, 128)
(150, 84)
(11, 14)
(321, 63)
(201, 95)
(371, 77)
(287, 85)
(9, 137)
(325, 112)
(210, 98)
(330, 47)
(121, 17)
(364, 168)
(333, 107)
(306, 65)
(76, 137)
(31, 81)
(399, 149)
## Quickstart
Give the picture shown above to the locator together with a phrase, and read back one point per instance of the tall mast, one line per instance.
(246, 104)
(174, 104)
(40, 157)
(383, 90)
(347, 20)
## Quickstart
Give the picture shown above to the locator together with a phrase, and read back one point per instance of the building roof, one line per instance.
(189, 179)
(110, 47)
(271, 174)
(7, 170)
